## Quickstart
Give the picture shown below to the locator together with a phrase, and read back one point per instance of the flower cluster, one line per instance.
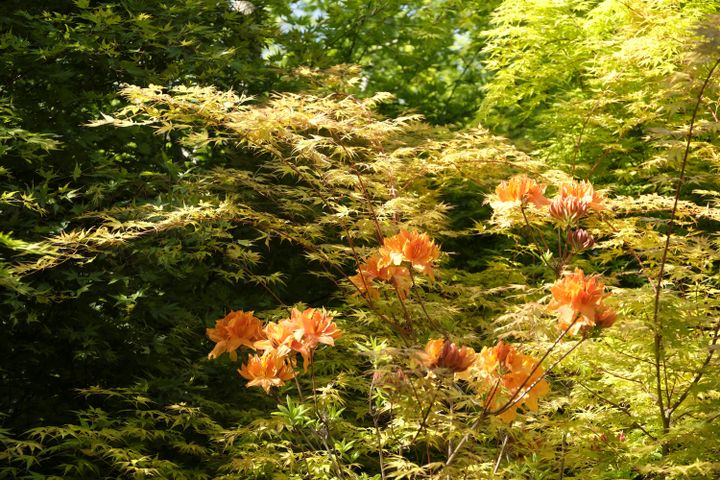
(277, 342)
(393, 261)
(573, 201)
(578, 300)
(269, 370)
(508, 379)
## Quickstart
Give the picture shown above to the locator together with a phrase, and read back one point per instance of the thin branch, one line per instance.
(414, 288)
(510, 402)
(378, 435)
(532, 236)
(426, 415)
(502, 450)
(658, 338)
(625, 410)
(578, 143)
(562, 456)
(701, 371)
(490, 396)
(636, 358)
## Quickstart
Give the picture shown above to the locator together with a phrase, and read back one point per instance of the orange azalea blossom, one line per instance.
(583, 191)
(371, 270)
(413, 247)
(503, 374)
(519, 190)
(441, 353)
(310, 328)
(236, 329)
(578, 298)
(279, 336)
(266, 371)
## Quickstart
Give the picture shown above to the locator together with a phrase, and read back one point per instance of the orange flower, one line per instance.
(577, 299)
(583, 191)
(504, 374)
(440, 353)
(279, 336)
(310, 328)
(416, 248)
(364, 283)
(519, 190)
(236, 329)
(371, 270)
(270, 370)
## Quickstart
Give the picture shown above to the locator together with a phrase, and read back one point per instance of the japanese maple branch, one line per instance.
(625, 410)
(701, 371)
(378, 435)
(658, 337)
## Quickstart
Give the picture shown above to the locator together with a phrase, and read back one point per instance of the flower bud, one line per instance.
(568, 209)
(580, 239)
(605, 316)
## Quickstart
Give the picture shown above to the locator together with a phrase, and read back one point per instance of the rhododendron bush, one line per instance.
(440, 386)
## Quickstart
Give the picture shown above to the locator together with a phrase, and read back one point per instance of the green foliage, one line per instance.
(608, 90)
(426, 53)
(84, 311)
(127, 437)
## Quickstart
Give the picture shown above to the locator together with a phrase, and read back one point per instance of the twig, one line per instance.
(378, 436)
(658, 337)
(625, 410)
(299, 390)
(532, 234)
(420, 300)
(502, 450)
(562, 456)
(426, 415)
(490, 397)
(700, 372)
(576, 153)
